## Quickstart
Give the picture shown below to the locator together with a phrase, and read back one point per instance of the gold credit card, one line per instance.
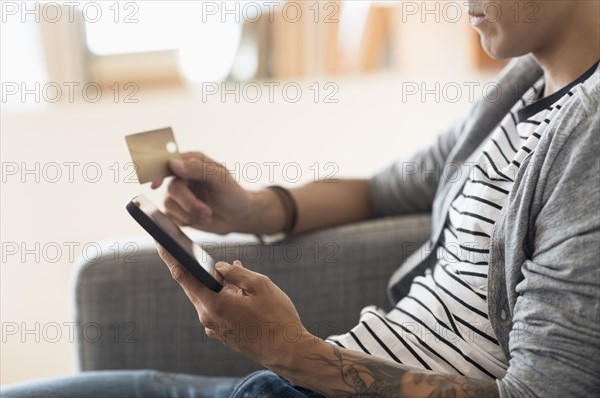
(151, 152)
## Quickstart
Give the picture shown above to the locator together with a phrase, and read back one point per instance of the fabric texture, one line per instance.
(266, 384)
(153, 384)
(124, 384)
(544, 276)
(443, 323)
(130, 313)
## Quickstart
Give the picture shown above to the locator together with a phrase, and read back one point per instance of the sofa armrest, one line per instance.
(132, 315)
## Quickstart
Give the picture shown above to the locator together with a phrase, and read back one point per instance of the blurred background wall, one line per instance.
(280, 91)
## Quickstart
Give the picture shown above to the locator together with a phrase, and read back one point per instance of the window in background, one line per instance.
(211, 41)
(207, 41)
(22, 63)
(173, 34)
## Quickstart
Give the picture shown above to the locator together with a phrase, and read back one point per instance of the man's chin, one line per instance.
(507, 49)
(496, 50)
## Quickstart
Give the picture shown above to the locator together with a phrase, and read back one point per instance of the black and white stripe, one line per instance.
(443, 324)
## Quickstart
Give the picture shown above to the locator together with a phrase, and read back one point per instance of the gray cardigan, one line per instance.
(544, 276)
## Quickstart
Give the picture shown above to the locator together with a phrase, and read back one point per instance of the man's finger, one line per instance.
(195, 290)
(185, 198)
(237, 275)
(211, 333)
(192, 167)
(156, 184)
(176, 213)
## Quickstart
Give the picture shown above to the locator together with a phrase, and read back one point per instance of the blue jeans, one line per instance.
(151, 384)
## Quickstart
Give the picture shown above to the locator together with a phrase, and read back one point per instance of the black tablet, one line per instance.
(197, 261)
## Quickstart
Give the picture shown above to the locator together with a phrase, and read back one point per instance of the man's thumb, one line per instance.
(180, 168)
(195, 167)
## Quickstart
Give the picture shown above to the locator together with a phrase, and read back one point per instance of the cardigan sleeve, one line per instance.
(554, 342)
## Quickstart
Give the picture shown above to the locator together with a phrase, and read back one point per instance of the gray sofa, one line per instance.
(132, 315)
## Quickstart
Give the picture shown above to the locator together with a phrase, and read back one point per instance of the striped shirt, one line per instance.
(443, 323)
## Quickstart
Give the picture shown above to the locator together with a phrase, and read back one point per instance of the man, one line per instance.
(510, 284)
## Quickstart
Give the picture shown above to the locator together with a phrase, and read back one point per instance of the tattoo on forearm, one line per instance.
(443, 385)
(364, 376)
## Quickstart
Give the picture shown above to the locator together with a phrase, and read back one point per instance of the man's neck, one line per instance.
(575, 51)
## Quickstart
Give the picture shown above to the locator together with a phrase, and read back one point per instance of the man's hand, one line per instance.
(250, 314)
(254, 317)
(204, 195)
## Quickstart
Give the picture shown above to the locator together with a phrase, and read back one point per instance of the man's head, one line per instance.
(511, 28)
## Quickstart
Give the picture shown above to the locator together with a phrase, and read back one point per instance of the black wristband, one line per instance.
(290, 209)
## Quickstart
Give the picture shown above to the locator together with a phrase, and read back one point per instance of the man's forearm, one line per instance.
(334, 371)
(327, 204)
(319, 205)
